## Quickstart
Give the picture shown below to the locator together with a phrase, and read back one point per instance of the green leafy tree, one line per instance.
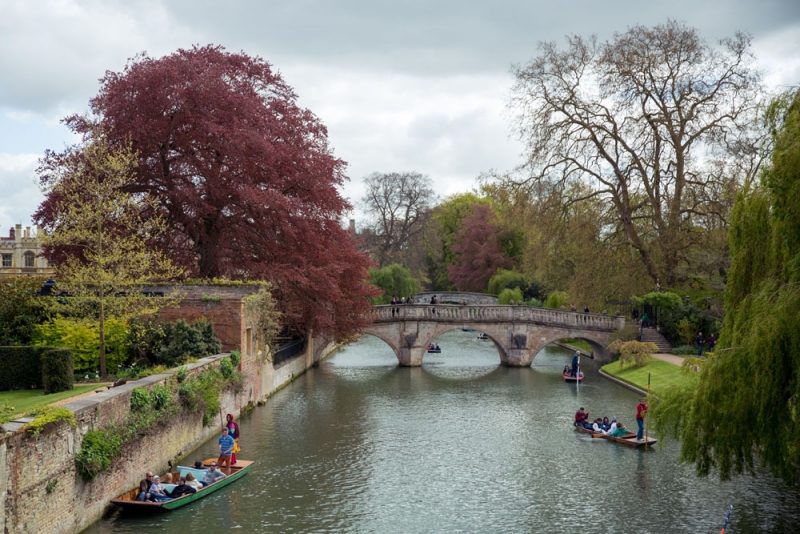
(393, 279)
(20, 309)
(744, 410)
(102, 237)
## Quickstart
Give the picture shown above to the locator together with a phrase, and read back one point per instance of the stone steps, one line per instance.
(650, 335)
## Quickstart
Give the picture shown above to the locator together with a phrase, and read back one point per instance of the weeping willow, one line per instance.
(743, 410)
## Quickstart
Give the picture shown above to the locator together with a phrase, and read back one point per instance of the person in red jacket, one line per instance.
(641, 412)
(582, 418)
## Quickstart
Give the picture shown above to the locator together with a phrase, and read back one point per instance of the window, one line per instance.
(6, 260)
(30, 258)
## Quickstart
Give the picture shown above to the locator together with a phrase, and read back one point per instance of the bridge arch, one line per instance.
(518, 332)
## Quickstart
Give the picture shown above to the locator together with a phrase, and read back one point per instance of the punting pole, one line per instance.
(727, 517)
(647, 414)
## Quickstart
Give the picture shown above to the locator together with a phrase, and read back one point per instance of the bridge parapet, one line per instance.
(495, 313)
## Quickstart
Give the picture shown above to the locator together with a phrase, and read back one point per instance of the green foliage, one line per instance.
(226, 368)
(57, 370)
(393, 279)
(556, 299)
(209, 298)
(663, 300)
(236, 358)
(508, 294)
(744, 411)
(170, 344)
(22, 367)
(98, 449)
(20, 309)
(140, 399)
(181, 374)
(684, 350)
(505, 278)
(693, 319)
(84, 339)
(262, 315)
(633, 352)
(6, 412)
(44, 415)
(687, 330)
(51, 485)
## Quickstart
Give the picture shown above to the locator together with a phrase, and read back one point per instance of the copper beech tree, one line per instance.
(243, 176)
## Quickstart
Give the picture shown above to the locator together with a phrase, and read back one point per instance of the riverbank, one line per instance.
(663, 370)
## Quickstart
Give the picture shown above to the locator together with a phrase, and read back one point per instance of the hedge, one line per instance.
(57, 370)
(22, 367)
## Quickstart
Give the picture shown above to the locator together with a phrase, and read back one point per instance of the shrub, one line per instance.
(44, 415)
(140, 399)
(84, 339)
(6, 411)
(236, 358)
(172, 343)
(98, 449)
(226, 367)
(684, 350)
(556, 299)
(181, 374)
(57, 370)
(634, 352)
(508, 294)
(159, 397)
(22, 367)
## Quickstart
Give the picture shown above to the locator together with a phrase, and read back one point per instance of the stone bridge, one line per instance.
(518, 332)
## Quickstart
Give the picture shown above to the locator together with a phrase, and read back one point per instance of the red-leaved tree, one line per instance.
(244, 177)
(479, 250)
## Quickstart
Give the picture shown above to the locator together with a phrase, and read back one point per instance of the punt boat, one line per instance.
(569, 378)
(128, 499)
(628, 440)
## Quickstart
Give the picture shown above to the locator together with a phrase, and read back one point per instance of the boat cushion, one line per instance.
(168, 488)
(198, 473)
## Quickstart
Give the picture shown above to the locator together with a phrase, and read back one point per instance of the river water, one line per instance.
(462, 444)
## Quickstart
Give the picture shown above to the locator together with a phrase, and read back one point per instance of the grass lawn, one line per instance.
(662, 374)
(25, 399)
(581, 344)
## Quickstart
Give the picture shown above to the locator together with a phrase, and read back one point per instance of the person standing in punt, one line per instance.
(641, 412)
(226, 445)
(233, 431)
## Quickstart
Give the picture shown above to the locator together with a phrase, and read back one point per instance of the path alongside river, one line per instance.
(360, 445)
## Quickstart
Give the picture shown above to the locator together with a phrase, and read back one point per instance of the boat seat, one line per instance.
(168, 488)
(198, 473)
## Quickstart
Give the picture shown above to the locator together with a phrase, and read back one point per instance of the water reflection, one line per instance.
(461, 444)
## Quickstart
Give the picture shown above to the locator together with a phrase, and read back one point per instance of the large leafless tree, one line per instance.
(656, 121)
(397, 204)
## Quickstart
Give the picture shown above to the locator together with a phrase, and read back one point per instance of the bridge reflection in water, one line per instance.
(518, 332)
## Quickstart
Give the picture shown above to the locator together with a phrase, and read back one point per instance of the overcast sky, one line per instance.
(401, 85)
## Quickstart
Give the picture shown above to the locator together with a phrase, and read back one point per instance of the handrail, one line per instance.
(491, 313)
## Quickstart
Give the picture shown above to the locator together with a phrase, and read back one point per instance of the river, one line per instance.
(462, 444)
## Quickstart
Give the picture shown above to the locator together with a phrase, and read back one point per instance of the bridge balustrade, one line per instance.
(490, 313)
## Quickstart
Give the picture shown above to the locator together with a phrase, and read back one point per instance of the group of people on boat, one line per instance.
(152, 489)
(601, 425)
(434, 347)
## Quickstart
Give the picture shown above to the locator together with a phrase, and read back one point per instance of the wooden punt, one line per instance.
(629, 439)
(569, 378)
(128, 499)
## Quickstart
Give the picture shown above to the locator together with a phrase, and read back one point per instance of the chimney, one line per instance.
(18, 232)
(28, 231)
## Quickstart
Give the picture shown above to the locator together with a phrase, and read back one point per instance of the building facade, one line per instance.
(20, 254)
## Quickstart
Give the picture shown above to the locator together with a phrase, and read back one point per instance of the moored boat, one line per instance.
(128, 499)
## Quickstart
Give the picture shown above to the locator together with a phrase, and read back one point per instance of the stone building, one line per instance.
(19, 254)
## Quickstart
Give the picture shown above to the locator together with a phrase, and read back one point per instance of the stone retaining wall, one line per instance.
(30, 464)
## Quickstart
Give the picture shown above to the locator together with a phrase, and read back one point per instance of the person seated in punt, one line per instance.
(182, 489)
(566, 370)
(582, 418)
(167, 479)
(198, 465)
(144, 490)
(597, 426)
(606, 424)
(192, 481)
(212, 475)
(612, 427)
(157, 491)
(619, 432)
